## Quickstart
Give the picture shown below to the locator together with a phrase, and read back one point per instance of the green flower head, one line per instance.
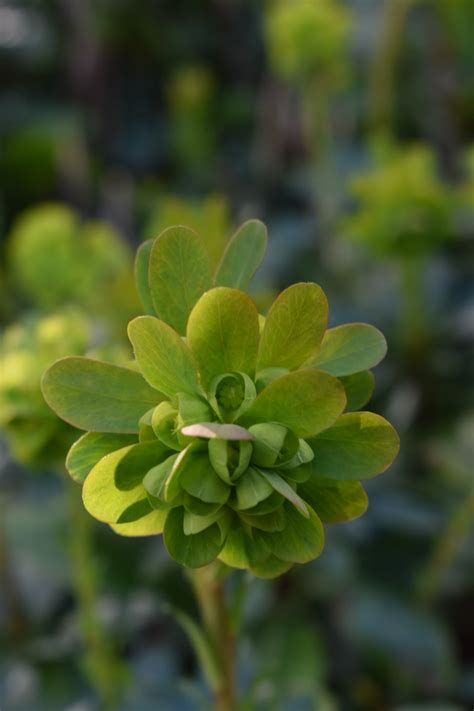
(236, 436)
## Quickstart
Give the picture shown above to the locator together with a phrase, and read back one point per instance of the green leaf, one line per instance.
(198, 507)
(142, 261)
(274, 446)
(163, 357)
(283, 488)
(243, 549)
(179, 273)
(202, 646)
(150, 525)
(214, 430)
(223, 333)
(306, 401)
(269, 505)
(155, 479)
(243, 255)
(251, 489)
(359, 446)
(350, 348)
(193, 524)
(199, 479)
(359, 388)
(301, 540)
(230, 460)
(273, 521)
(294, 327)
(91, 447)
(192, 551)
(272, 567)
(333, 500)
(97, 396)
(115, 483)
(231, 394)
(193, 409)
(163, 422)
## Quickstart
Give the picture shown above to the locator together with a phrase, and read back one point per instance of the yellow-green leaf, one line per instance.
(243, 255)
(358, 446)
(350, 348)
(223, 333)
(294, 327)
(163, 357)
(306, 401)
(97, 396)
(91, 447)
(114, 485)
(334, 500)
(178, 274)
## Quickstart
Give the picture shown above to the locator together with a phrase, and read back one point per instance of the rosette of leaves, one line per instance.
(404, 210)
(236, 438)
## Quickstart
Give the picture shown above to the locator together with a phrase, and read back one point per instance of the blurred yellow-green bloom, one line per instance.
(403, 208)
(307, 38)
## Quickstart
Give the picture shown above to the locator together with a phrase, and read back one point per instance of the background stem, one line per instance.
(103, 667)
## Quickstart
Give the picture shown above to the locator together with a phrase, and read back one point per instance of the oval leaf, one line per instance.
(199, 479)
(150, 525)
(350, 348)
(178, 274)
(142, 260)
(97, 396)
(193, 551)
(243, 255)
(294, 327)
(163, 357)
(223, 333)
(359, 388)
(214, 430)
(90, 448)
(301, 540)
(114, 485)
(333, 500)
(306, 401)
(359, 446)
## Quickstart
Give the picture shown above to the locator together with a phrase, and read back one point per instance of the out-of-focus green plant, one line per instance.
(36, 437)
(41, 440)
(307, 39)
(404, 214)
(190, 92)
(54, 258)
(209, 217)
(232, 439)
(403, 209)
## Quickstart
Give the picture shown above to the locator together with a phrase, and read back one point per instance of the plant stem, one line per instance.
(103, 667)
(383, 69)
(454, 536)
(209, 590)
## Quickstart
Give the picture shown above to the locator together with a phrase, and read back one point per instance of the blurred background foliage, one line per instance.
(346, 125)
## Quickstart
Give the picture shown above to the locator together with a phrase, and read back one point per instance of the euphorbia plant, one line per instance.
(236, 436)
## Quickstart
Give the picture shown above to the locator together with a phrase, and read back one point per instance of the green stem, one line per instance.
(383, 69)
(414, 333)
(209, 590)
(103, 667)
(15, 622)
(431, 577)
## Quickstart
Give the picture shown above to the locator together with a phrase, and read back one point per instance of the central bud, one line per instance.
(230, 393)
